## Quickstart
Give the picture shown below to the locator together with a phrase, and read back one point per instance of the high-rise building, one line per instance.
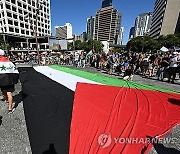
(64, 32)
(166, 18)
(90, 28)
(106, 3)
(82, 37)
(18, 18)
(108, 24)
(142, 24)
(132, 32)
(121, 36)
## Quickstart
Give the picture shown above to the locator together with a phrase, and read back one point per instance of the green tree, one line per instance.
(78, 45)
(85, 46)
(4, 45)
(94, 44)
(146, 43)
(119, 50)
(70, 46)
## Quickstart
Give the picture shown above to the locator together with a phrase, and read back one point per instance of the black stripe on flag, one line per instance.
(48, 111)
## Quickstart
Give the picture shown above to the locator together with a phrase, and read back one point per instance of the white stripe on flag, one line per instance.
(7, 67)
(66, 79)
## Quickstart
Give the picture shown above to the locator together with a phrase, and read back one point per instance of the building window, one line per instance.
(8, 7)
(1, 6)
(20, 11)
(17, 30)
(11, 29)
(19, 4)
(20, 18)
(13, 1)
(9, 14)
(33, 3)
(22, 25)
(15, 23)
(10, 22)
(24, 6)
(22, 31)
(15, 16)
(30, 15)
(13, 8)
(27, 26)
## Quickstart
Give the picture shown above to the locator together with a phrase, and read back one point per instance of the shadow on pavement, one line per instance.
(51, 150)
(1, 120)
(18, 99)
(161, 149)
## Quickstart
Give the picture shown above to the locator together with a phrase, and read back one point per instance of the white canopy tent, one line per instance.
(164, 49)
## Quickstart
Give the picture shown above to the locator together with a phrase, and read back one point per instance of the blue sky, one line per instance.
(77, 11)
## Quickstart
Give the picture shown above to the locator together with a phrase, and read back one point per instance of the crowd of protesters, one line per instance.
(163, 65)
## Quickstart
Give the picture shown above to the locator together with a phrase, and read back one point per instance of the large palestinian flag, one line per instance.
(77, 112)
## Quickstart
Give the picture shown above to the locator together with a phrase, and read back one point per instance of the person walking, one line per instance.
(8, 78)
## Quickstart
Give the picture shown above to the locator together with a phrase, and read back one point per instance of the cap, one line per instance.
(2, 52)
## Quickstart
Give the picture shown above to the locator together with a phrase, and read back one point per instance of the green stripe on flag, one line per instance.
(110, 81)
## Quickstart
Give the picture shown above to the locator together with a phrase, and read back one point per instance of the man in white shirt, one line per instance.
(173, 67)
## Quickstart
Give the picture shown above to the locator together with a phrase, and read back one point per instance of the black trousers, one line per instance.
(172, 72)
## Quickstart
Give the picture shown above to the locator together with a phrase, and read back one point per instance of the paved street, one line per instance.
(13, 133)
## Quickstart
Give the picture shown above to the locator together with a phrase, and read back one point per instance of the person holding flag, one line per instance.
(8, 77)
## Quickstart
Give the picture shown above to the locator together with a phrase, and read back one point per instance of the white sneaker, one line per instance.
(11, 111)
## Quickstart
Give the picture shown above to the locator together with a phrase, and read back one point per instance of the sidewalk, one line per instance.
(13, 132)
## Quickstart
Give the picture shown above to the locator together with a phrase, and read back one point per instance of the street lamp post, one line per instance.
(35, 30)
(35, 27)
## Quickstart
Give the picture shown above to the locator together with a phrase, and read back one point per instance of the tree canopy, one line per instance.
(87, 46)
(146, 43)
(4, 45)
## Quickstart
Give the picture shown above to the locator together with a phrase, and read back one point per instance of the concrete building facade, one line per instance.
(18, 18)
(64, 32)
(82, 37)
(107, 25)
(142, 24)
(121, 36)
(166, 18)
(90, 28)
